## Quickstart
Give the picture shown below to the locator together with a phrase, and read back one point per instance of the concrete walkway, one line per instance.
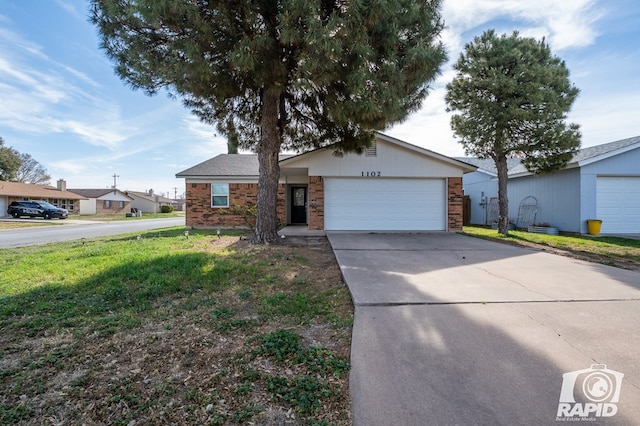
(455, 330)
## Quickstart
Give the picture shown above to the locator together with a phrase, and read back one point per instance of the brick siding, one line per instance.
(101, 207)
(455, 201)
(316, 203)
(200, 214)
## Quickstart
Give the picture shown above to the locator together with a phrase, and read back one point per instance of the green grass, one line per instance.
(106, 283)
(123, 328)
(122, 216)
(612, 250)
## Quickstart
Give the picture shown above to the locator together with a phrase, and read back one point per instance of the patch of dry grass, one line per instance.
(170, 330)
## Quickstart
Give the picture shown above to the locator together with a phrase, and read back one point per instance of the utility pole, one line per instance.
(175, 192)
(115, 176)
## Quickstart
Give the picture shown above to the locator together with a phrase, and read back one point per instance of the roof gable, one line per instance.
(582, 158)
(324, 163)
(149, 197)
(101, 193)
(393, 157)
(600, 152)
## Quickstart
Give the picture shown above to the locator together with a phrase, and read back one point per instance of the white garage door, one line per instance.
(379, 204)
(618, 204)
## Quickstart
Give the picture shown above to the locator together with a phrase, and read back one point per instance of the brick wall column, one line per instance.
(454, 201)
(316, 203)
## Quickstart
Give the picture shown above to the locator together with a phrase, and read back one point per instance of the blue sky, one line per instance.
(61, 102)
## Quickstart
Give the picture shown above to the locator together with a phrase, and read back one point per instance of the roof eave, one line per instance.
(606, 155)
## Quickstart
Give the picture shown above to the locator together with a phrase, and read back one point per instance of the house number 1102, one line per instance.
(371, 174)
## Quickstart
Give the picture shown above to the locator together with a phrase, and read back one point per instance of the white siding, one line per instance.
(626, 164)
(476, 184)
(558, 196)
(380, 204)
(618, 204)
(390, 161)
(88, 206)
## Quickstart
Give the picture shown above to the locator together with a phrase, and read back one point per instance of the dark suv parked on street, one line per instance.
(36, 209)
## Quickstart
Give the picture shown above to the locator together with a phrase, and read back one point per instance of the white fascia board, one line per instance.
(608, 155)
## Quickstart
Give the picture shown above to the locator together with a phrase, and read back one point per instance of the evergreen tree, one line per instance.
(9, 162)
(512, 96)
(287, 73)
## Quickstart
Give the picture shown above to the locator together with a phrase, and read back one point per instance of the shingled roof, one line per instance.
(226, 165)
(18, 189)
(585, 155)
(487, 164)
(149, 196)
(95, 193)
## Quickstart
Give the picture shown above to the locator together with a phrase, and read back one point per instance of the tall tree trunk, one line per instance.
(503, 201)
(232, 138)
(266, 229)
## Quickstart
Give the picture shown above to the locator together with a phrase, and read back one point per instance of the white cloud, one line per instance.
(41, 96)
(65, 167)
(71, 9)
(566, 24)
(204, 141)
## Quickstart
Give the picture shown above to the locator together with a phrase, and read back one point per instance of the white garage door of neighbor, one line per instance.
(383, 204)
(3, 207)
(618, 204)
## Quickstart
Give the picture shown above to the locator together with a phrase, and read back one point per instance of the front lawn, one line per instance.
(615, 251)
(159, 328)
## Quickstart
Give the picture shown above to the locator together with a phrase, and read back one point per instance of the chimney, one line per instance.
(151, 192)
(62, 185)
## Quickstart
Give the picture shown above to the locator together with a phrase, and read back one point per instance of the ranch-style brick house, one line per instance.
(393, 186)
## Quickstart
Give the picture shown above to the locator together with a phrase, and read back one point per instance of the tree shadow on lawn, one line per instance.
(118, 296)
(128, 342)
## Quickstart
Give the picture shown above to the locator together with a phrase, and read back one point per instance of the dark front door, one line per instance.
(298, 205)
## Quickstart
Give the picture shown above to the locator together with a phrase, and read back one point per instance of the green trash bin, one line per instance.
(593, 226)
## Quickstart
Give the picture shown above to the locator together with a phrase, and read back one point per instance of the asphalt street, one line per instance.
(453, 330)
(75, 230)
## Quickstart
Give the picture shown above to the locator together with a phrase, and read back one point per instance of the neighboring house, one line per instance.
(600, 182)
(148, 202)
(103, 201)
(58, 196)
(179, 204)
(393, 186)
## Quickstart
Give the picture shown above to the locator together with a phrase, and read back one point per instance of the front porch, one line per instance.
(300, 231)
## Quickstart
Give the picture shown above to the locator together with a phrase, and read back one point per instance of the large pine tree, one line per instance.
(511, 97)
(286, 73)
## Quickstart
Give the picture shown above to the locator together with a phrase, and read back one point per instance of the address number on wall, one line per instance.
(371, 174)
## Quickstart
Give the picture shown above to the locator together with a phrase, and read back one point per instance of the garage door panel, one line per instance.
(384, 204)
(618, 204)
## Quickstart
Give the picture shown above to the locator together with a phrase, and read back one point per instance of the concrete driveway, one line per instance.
(456, 330)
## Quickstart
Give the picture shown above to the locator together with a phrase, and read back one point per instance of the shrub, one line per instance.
(166, 209)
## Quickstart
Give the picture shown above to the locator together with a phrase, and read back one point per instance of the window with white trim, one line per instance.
(219, 195)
